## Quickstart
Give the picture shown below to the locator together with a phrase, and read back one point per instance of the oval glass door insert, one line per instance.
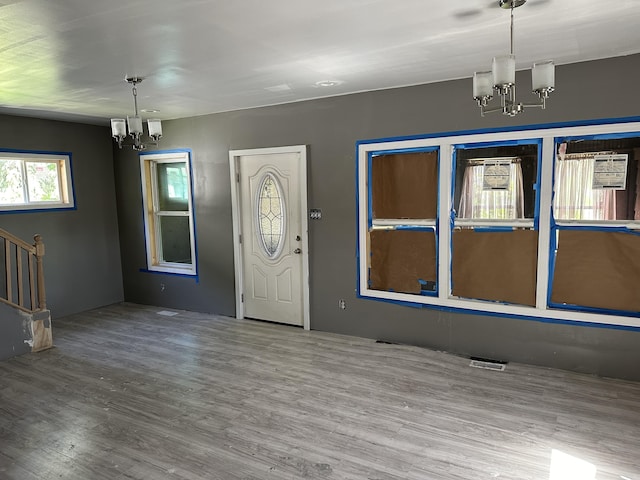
(270, 216)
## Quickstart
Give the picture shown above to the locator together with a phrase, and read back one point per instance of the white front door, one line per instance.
(272, 237)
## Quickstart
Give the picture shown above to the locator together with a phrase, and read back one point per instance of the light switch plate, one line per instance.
(315, 214)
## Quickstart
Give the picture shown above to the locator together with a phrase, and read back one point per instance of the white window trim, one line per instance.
(444, 299)
(65, 184)
(151, 237)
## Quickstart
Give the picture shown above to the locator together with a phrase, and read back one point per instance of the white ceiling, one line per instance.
(67, 58)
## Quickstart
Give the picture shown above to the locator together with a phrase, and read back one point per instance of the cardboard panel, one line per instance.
(400, 258)
(405, 185)
(597, 269)
(496, 266)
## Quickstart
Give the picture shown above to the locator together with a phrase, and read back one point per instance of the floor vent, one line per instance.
(488, 364)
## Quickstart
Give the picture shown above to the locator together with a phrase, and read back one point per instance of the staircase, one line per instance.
(25, 322)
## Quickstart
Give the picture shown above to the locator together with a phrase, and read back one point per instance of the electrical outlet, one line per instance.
(342, 304)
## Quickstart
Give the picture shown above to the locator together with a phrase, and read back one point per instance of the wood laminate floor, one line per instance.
(131, 394)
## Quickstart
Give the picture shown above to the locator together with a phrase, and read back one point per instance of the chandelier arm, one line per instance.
(541, 104)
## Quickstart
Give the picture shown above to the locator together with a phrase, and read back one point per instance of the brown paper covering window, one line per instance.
(598, 270)
(495, 266)
(405, 185)
(400, 258)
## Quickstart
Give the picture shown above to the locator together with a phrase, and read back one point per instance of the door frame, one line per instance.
(234, 156)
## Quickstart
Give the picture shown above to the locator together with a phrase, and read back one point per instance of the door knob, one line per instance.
(297, 250)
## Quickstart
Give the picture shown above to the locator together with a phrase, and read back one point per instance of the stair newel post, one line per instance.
(39, 245)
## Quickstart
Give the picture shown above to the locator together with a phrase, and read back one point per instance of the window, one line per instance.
(540, 223)
(271, 221)
(402, 239)
(597, 179)
(596, 206)
(494, 229)
(496, 195)
(169, 228)
(35, 181)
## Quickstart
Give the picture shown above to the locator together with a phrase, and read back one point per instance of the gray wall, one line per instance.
(331, 127)
(82, 250)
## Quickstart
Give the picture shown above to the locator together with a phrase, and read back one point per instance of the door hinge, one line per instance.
(237, 178)
(240, 238)
(242, 297)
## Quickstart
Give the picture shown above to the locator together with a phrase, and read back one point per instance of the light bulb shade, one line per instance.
(543, 77)
(135, 125)
(118, 127)
(155, 128)
(482, 85)
(504, 71)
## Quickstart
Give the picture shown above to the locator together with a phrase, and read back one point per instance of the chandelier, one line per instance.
(502, 79)
(119, 126)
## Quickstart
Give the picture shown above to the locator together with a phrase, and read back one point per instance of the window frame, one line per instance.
(65, 181)
(547, 135)
(152, 212)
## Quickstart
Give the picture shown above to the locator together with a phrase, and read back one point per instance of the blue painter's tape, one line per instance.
(377, 153)
(536, 187)
(552, 260)
(34, 152)
(498, 143)
(580, 308)
(599, 228)
(425, 291)
(601, 136)
(514, 128)
(576, 323)
(40, 210)
(369, 191)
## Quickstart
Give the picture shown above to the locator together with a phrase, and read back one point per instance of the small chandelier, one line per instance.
(502, 79)
(134, 124)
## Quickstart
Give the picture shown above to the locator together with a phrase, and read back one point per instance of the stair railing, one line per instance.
(17, 271)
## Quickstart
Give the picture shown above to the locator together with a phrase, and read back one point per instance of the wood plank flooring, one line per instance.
(131, 394)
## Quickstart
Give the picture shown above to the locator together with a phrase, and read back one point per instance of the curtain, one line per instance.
(491, 204)
(574, 199)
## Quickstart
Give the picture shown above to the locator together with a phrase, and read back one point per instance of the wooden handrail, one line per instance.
(14, 274)
(17, 241)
